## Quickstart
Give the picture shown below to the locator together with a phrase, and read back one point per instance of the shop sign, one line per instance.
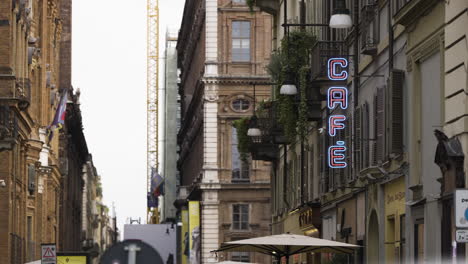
(461, 208)
(306, 218)
(337, 97)
(461, 236)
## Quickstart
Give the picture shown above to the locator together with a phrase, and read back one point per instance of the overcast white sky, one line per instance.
(109, 66)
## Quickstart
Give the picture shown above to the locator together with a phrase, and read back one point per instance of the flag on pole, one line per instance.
(157, 183)
(59, 118)
(152, 201)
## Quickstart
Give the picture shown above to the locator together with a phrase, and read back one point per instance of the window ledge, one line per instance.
(412, 11)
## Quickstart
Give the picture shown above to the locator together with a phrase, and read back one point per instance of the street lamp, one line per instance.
(288, 88)
(341, 17)
(254, 131)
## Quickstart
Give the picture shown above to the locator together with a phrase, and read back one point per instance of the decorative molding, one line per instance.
(425, 50)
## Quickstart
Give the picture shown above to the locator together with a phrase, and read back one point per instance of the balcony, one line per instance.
(23, 93)
(269, 6)
(265, 147)
(409, 11)
(321, 52)
(8, 127)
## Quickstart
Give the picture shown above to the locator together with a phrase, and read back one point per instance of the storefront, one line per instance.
(395, 220)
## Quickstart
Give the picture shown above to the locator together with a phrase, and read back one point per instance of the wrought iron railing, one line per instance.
(321, 52)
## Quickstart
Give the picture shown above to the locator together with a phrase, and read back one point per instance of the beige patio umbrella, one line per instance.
(285, 245)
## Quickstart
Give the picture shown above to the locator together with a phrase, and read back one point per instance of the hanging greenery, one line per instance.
(243, 143)
(251, 4)
(302, 119)
(292, 61)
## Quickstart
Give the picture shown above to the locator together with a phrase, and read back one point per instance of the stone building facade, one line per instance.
(223, 49)
(41, 200)
(407, 77)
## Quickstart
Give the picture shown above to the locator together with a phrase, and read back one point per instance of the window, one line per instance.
(241, 2)
(240, 256)
(241, 41)
(240, 105)
(240, 167)
(240, 216)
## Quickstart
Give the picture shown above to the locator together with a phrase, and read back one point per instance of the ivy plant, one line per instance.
(292, 61)
(243, 143)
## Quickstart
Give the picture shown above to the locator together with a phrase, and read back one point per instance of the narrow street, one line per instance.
(233, 131)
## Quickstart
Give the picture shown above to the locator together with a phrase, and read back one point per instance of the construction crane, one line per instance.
(152, 80)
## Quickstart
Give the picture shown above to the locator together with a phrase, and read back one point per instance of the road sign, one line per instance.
(131, 252)
(461, 208)
(461, 236)
(48, 254)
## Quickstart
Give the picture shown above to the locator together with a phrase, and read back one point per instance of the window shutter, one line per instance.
(348, 169)
(341, 172)
(31, 178)
(365, 135)
(374, 142)
(380, 124)
(357, 141)
(396, 111)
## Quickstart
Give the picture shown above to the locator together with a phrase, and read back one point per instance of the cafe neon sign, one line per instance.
(337, 97)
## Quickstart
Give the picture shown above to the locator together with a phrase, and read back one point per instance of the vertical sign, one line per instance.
(185, 237)
(194, 227)
(48, 254)
(337, 98)
(461, 208)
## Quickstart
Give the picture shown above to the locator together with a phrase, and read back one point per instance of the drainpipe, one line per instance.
(390, 39)
(356, 53)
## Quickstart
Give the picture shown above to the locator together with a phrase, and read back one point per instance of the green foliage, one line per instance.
(242, 125)
(251, 4)
(292, 61)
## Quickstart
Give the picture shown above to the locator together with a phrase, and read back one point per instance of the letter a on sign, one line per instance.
(49, 254)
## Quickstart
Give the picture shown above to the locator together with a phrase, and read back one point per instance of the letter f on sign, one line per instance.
(335, 122)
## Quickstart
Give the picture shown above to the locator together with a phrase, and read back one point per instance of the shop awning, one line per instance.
(285, 245)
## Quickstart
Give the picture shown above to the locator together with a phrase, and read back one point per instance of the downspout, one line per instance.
(390, 39)
(356, 53)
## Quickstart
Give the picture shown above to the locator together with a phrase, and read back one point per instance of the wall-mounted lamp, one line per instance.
(254, 131)
(288, 88)
(2, 183)
(341, 17)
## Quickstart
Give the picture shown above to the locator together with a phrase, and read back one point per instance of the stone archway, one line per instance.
(373, 239)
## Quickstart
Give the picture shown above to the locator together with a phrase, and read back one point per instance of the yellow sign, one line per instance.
(185, 237)
(71, 259)
(194, 227)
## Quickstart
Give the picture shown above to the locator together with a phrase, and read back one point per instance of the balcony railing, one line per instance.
(265, 147)
(321, 52)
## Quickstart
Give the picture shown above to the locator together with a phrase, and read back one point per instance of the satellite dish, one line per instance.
(131, 252)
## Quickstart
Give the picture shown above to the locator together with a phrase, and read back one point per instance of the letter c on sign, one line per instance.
(333, 73)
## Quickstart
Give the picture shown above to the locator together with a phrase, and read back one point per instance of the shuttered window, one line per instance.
(366, 139)
(349, 169)
(380, 122)
(31, 178)
(357, 140)
(396, 109)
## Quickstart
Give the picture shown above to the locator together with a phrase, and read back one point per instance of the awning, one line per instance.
(286, 245)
